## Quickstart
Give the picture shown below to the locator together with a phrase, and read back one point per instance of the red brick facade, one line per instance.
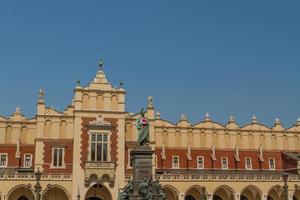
(85, 139)
(11, 149)
(184, 163)
(68, 156)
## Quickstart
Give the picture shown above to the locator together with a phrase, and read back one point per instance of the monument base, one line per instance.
(142, 186)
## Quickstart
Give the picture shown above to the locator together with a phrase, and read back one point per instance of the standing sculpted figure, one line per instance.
(142, 125)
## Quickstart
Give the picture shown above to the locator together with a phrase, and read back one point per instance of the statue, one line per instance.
(145, 191)
(159, 189)
(142, 125)
(126, 190)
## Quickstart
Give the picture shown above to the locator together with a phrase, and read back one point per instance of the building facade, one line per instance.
(84, 152)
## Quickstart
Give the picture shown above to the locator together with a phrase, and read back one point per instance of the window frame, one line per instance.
(173, 163)
(198, 157)
(6, 163)
(63, 166)
(274, 163)
(99, 132)
(226, 158)
(246, 163)
(24, 160)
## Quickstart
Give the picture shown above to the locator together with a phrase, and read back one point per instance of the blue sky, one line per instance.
(223, 57)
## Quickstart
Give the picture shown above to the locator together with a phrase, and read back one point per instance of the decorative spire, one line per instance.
(150, 102)
(231, 119)
(41, 98)
(157, 115)
(207, 117)
(121, 83)
(277, 121)
(18, 110)
(254, 119)
(101, 63)
(298, 122)
(78, 83)
(183, 117)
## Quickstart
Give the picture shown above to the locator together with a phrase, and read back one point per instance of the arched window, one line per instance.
(128, 131)
(63, 129)
(24, 133)
(114, 102)
(48, 127)
(100, 102)
(85, 101)
(8, 135)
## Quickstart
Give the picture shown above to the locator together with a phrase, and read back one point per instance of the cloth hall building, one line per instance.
(84, 152)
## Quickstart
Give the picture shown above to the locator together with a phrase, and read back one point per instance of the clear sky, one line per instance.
(223, 57)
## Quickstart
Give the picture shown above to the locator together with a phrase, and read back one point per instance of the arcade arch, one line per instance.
(276, 193)
(251, 193)
(193, 193)
(21, 192)
(171, 192)
(98, 192)
(56, 193)
(223, 193)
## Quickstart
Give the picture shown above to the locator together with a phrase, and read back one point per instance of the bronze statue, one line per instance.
(142, 125)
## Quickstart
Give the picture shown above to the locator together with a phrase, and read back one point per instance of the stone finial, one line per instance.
(101, 63)
(150, 102)
(41, 96)
(207, 117)
(277, 121)
(254, 119)
(231, 119)
(18, 110)
(298, 122)
(121, 83)
(157, 115)
(183, 117)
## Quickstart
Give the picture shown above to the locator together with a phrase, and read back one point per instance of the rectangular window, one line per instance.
(99, 147)
(27, 161)
(224, 162)
(58, 157)
(272, 164)
(3, 160)
(200, 162)
(175, 162)
(248, 163)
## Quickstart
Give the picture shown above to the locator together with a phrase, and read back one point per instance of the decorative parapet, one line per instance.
(100, 172)
(222, 175)
(31, 177)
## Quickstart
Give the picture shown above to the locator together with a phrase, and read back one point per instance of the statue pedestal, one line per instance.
(143, 187)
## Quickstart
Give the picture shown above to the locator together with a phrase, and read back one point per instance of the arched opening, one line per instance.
(296, 195)
(23, 198)
(251, 193)
(23, 136)
(48, 126)
(193, 193)
(128, 131)
(55, 193)
(8, 135)
(276, 193)
(171, 193)
(20, 193)
(98, 192)
(100, 102)
(223, 193)
(62, 129)
(85, 101)
(114, 102)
